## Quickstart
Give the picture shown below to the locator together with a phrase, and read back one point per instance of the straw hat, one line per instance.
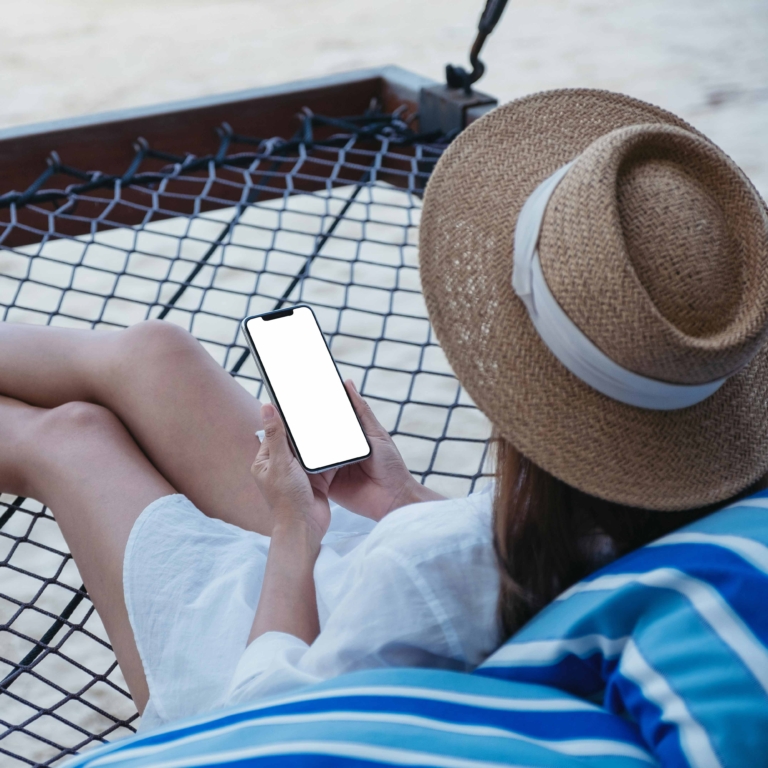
(628, 358)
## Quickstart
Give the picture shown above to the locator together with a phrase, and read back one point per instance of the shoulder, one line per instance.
(432, 528)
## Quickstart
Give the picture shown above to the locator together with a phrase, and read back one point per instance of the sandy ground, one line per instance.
(706, 60)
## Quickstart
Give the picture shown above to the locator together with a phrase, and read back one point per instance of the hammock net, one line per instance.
(328, 218)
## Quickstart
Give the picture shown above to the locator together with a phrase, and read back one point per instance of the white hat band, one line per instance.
(566, 341)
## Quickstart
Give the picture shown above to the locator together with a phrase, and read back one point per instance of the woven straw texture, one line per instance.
(655, 245)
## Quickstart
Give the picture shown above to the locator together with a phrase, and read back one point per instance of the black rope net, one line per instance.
(328, 218)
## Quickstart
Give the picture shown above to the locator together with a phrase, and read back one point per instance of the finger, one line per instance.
(364, 412)
(323, 480)
(275, 440)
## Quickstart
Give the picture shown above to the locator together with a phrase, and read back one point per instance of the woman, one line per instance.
(618, 347)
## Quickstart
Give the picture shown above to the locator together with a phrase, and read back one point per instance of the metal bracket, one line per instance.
(447, 109)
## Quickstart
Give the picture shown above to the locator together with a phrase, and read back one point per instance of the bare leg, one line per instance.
(194, 423)
(80, 460)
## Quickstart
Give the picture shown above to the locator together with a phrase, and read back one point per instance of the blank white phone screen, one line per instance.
(308, 389)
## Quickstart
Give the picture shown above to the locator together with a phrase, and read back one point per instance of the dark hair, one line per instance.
(549, 535)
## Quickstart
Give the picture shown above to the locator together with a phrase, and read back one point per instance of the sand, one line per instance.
(706, 60)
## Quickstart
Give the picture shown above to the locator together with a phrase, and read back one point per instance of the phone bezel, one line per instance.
(275, 400)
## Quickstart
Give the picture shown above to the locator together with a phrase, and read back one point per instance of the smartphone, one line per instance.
(306, 388)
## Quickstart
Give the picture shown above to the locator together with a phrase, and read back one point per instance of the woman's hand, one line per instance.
(382, 482)
(295, 500)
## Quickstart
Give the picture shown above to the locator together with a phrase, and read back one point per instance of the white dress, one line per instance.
(418, 589)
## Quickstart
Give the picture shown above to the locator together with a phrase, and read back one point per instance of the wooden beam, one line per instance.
(105, 141)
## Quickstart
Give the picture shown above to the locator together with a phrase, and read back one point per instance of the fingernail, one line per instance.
(268, 412)
(352, 384)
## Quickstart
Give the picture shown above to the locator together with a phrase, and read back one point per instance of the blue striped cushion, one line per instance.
(403, 717)
(674, 634)
(672, 639)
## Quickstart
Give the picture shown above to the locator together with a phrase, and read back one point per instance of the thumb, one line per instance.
(365, 414)
(275, 439)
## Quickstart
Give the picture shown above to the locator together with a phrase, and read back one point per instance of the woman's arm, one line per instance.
(287, 602)
(299, 505)
(302, 515)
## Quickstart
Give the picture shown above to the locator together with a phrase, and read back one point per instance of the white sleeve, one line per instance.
(270, 665)
(387, 617)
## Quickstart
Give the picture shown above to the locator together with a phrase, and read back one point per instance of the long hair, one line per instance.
(549, 535)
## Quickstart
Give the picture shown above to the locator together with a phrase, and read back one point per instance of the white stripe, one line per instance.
(579, 747)
(752, 551)
(550, 651)
(693, 738)
(333, 749)
(705, 599)
(566, 340)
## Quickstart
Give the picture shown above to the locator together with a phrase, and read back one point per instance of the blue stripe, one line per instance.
(623, 695)
(540, 725)
(304, 760)
(736, 580)
(603, 612)
(307, 760)
(580, 676)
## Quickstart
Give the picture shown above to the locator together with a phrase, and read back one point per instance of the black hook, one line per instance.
(140, 148)
(458, 77)
(225, 134)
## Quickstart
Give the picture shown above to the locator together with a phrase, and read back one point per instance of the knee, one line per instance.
(158, 336)
(75, 420)
(155, 340)
(65, 441)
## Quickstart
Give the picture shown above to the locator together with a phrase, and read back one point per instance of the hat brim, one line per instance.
(663, 460)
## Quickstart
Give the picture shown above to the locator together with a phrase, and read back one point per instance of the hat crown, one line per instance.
(678, 243)
(656, 246)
